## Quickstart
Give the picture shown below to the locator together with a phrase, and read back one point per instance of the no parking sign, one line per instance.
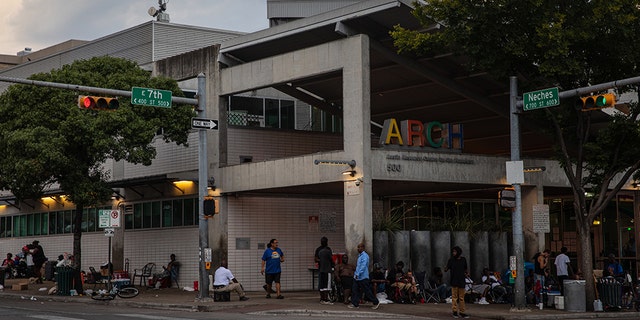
(109, 218)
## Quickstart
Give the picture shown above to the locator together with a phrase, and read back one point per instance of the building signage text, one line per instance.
(415, 134)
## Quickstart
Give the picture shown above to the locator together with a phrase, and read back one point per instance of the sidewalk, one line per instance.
(299, 302)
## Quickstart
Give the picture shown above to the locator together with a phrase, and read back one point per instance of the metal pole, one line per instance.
(203, 228)
(518, 239)
(97, 90)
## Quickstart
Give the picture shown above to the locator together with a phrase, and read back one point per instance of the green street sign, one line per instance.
(540, 99)
(151, 97)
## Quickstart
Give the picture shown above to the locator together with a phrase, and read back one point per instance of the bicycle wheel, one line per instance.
(128, 292)
(102, 296)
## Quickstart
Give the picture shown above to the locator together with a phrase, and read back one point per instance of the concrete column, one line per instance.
(358, 215)
(533, 242)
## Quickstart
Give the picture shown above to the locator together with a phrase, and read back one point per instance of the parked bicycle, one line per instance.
(110, 293)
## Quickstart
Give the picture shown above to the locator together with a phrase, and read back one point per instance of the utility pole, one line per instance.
(203, 227)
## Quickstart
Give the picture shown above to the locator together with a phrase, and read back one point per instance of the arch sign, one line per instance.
(109, 218)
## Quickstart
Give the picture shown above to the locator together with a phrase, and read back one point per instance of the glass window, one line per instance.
(177, 213)
(272, 113)
(156, 214)
(167, 214)
(146, 215)
(189, 212)
(68, 221)
(137, 215)
(410, 215)
(44, 227)
(287, 114)
(128, 221)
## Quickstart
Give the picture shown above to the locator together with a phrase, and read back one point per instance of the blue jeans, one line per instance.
(541, 278)
(360, 286)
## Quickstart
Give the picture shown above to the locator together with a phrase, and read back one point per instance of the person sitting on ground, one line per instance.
(398, 279)
(436, 280)
(8, 265)
(64, 260)
(343, 275)
(224, 281)
(377, 278)
(481, 289)
(490, 279)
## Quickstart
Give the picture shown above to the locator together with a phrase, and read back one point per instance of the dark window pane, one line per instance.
(146, 215)
(177, 213)
(137, 216)
(156, 214)
(189, 212)
(167, 214)
(272, 113)
(287, 114)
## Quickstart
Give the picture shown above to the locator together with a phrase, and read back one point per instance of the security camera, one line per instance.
(358, 182)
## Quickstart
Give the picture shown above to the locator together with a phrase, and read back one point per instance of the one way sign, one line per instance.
(199, 123)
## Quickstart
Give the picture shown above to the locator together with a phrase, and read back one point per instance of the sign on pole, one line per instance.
(540, 99)
(201, 123)
(151, 97)
(109, 218)
(541, 218)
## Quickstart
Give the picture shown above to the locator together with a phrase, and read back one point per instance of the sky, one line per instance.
(38, 24)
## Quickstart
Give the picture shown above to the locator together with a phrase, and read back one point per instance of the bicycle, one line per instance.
(123, 291)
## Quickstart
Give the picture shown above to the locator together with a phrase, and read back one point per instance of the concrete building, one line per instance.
(326, 131)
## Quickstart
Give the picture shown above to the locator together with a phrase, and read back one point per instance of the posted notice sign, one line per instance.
(541, 218)
(109, 218)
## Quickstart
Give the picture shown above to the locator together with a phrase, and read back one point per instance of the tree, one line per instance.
(46, 139)
(546, 43)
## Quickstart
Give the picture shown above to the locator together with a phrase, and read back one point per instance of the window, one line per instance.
(261, 112)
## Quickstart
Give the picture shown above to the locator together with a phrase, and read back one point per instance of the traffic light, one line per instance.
(97, 103)
(599, 101)
(209, 207)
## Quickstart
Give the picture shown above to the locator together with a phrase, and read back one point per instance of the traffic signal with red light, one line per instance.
(97, 103)
(595, 102)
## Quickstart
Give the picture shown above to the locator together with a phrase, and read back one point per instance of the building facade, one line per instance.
(324, 130)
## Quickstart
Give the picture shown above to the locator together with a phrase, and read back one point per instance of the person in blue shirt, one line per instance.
(613, 267)
(271, 260)
(361, 281)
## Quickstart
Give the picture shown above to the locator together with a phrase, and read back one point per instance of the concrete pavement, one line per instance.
(298, 303)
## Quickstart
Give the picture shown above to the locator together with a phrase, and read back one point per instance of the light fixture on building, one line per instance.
(351, 163)
(596, 222)
(349, 172)
(535, 169)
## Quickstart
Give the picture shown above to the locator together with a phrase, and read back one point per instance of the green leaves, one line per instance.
(46, 138)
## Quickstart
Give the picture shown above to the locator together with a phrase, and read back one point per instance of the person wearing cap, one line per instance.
(378, 278)
(343, 274)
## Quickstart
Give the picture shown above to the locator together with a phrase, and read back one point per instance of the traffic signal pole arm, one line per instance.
(588, 90)
(95, 90)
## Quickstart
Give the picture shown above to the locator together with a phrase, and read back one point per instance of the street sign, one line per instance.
(200, 123)
(108, 232)
(109, 218)
(540, 99)
(151, 97)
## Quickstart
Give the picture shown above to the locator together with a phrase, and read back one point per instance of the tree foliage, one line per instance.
(47, 141)
(568, 44)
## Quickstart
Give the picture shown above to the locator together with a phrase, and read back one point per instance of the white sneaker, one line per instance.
(326, 302)
(483, 301)
(375, 307)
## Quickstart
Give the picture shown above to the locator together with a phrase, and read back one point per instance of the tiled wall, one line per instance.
(262, 218)
(141, 247)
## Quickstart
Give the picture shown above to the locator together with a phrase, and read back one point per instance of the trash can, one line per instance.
(610, 291)
(574, 296)
(64, 280)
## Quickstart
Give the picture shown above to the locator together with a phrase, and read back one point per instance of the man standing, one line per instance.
(38, 260)
(361, 281)
(271, 259)
(323, 257)
(459, 271)
(224, 281)
(562, 268)
(540, 272)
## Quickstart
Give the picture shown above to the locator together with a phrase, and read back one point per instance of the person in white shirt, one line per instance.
(562, 267)
(224, 281)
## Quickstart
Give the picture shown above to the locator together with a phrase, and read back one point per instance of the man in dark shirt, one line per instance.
(459, 270)
(323, 257)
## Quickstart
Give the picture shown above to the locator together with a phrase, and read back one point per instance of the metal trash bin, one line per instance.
(575, 296)
(64, 280)
(2, 275)
(610, 291)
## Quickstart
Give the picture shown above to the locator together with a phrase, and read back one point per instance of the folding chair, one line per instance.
(431, 293)
(420, 285)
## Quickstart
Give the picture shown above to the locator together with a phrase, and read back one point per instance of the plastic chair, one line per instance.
(144, 273)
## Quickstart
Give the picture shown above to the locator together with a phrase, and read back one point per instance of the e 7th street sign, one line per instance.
(151, 97)
(540, 99)
(200, 123)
